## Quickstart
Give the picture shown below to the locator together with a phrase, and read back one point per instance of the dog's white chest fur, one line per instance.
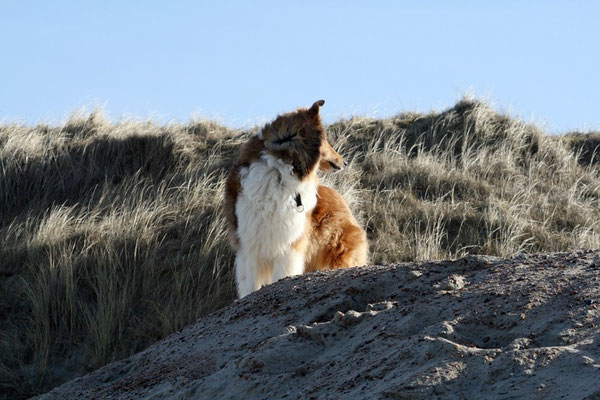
(269, 221)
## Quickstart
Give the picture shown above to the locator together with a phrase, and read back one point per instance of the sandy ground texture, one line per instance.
(477, 327)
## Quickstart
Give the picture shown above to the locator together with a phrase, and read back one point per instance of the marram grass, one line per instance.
(112, 235)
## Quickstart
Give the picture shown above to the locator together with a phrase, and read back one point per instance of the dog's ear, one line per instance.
(314, 109)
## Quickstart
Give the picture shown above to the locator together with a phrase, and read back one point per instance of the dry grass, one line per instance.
(111, 235)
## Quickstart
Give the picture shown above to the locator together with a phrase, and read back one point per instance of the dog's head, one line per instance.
(299, 139)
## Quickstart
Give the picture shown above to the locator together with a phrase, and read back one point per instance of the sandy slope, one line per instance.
(478, 327)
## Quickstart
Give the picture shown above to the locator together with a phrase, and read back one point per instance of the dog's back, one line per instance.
(336, 240)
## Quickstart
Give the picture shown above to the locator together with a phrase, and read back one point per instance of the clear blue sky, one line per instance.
(244, 62)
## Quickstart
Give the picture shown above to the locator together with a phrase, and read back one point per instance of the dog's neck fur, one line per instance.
(289, 181)
(269, 219)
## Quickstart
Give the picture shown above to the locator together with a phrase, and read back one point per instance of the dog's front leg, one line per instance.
(289, 264)
(246, 274)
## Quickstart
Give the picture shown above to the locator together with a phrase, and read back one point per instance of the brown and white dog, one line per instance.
(281, 221)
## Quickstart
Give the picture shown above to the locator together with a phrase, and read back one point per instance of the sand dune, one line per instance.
(476, 327)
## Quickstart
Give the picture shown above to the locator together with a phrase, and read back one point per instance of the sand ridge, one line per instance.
(476, 327)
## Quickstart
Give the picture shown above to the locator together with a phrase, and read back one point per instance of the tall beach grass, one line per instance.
(112, 234)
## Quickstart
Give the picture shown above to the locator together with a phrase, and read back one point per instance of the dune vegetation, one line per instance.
(112, 234)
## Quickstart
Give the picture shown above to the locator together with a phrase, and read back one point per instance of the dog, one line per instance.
(281, 221)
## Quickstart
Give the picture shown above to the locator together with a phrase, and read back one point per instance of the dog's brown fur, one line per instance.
(335, 240)
(332, 238)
